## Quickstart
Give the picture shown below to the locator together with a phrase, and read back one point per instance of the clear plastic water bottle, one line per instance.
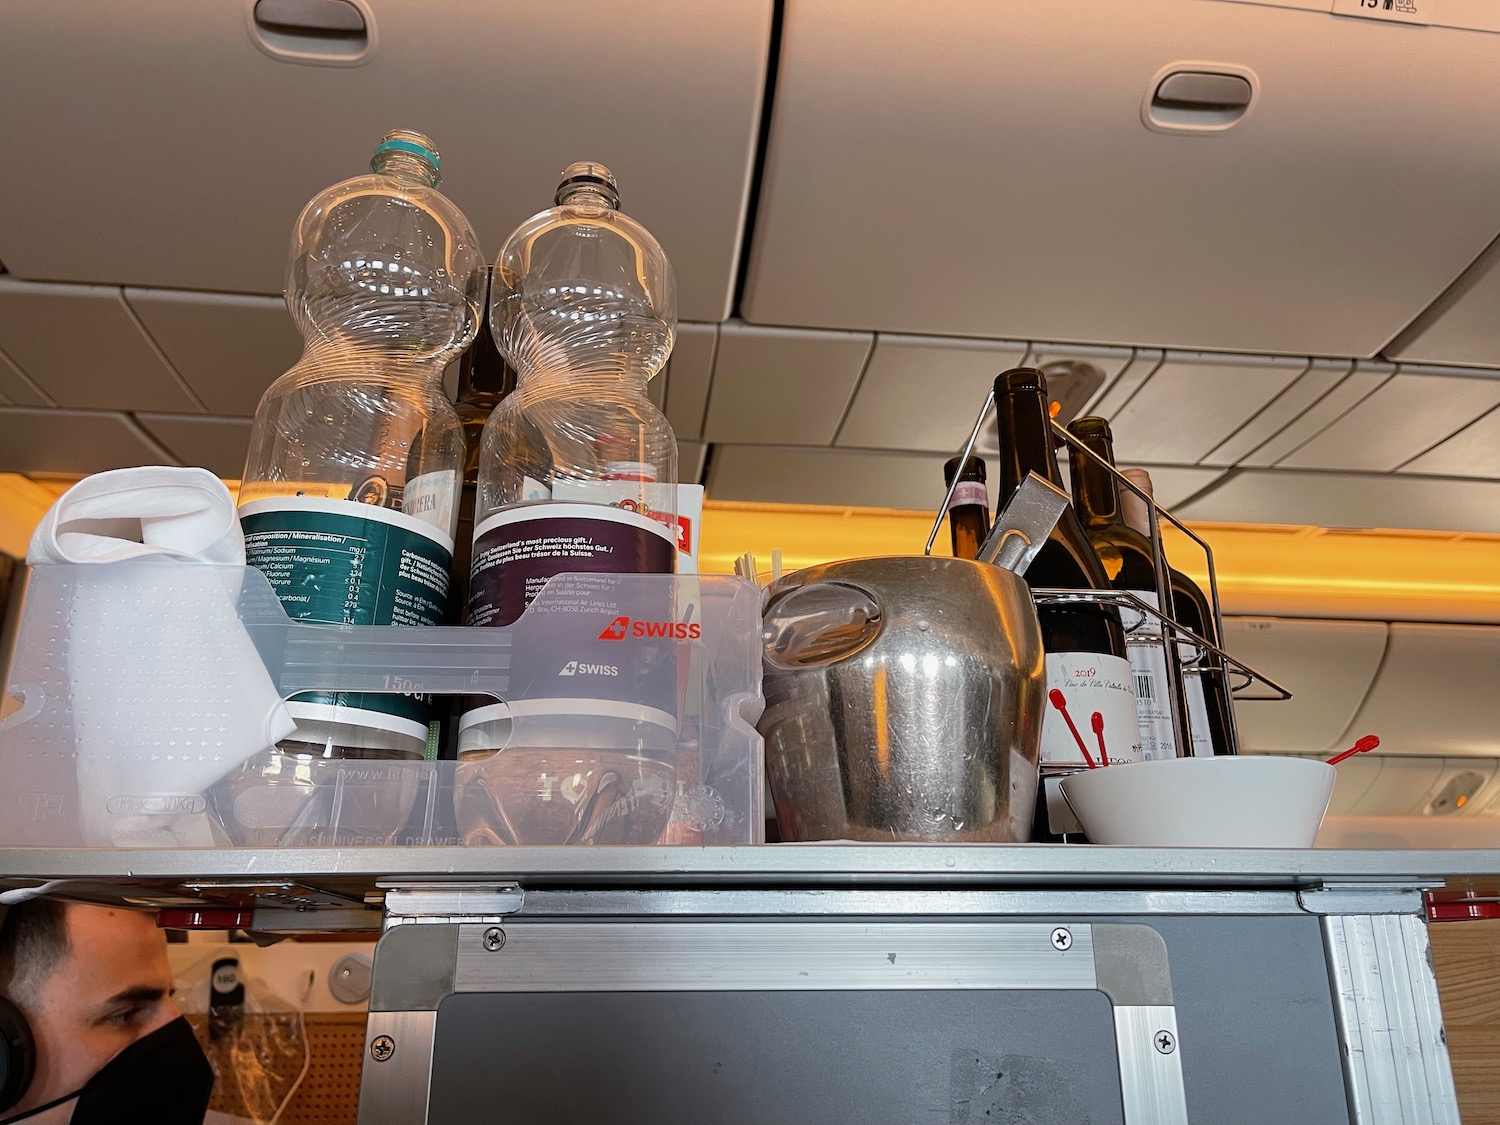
(578, 473)
(351, 487)
(584, 306)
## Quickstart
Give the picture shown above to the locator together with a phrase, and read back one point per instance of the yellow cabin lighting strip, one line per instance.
(1262, 569)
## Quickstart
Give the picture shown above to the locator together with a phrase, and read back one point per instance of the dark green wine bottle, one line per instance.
(1126, 555)
(1085, 644)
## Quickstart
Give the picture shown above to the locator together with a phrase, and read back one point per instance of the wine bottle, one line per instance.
(969, 510)
(1205, 685)
(484, 378)
(1130, 566)
(1085, 645)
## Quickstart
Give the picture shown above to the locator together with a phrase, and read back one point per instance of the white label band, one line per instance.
(1153, 699)
(350, 508)
(970, 492)
(1090, 682)
(1197, 708)
(567, 509)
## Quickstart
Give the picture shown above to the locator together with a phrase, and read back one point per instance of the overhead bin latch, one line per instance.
(1193, 97)
(313, 32)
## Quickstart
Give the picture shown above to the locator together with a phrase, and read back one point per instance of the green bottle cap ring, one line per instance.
(397, 144)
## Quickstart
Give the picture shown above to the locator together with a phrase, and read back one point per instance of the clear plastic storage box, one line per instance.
(144, 699)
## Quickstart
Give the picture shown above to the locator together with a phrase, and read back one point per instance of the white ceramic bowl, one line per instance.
(1221, 802)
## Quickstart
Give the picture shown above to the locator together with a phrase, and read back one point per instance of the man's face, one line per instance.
(111, 988)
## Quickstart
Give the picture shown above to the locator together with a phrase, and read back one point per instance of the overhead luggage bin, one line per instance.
(1172, 419)
(1461, 326)
(216, 444)
(83, 347)
(1320, 379)
(1327, 665)
(1364, 380)
(229, 349)
(775, 386)
(1350, 500)
(988, 171)
(922, 392)
(1472, 452)
(1427, 663)
(686, 379)
(1409, 414)
(221, 125)
(36, 440)
(16, 387)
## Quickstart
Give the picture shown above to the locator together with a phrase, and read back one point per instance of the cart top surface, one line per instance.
(828, 865)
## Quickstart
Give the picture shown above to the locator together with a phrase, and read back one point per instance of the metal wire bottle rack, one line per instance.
(1184, 649)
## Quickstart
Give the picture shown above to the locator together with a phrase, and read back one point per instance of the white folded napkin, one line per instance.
(167, 694)
(131, 513)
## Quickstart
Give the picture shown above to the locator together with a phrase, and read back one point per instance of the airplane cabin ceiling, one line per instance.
(165, 147)
(1289, 319)
(990, 170)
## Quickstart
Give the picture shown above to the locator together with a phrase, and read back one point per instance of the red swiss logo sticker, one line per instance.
(622, 627)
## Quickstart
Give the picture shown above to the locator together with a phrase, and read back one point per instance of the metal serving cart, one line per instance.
(900, 984)
(735, 983)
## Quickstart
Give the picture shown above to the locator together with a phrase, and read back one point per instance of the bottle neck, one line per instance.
(407, 168)
(968, 524)
(1025, 441)
(1096, 493)
(471, 393)
(587, 199)
(484, 378)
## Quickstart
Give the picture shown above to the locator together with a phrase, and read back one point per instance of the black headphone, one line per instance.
(17, 1049)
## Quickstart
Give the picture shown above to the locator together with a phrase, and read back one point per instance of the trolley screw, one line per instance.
(494, 938)
(1165, 1042)
(1062, 939)
(382, 1048)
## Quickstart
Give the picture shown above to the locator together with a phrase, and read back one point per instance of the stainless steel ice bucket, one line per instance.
(904, 701)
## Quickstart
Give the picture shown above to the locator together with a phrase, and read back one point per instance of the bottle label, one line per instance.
(430, 497)
(1197, 708)
(603, 653)
(338, 562)
(1153, 698)
(1089, 682)
(648, 498)
(970, 492)
(1196, 698)
(533, 489)
(517, 549)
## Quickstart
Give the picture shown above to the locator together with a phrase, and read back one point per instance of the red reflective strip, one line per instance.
(1462, 911)
(204, 918)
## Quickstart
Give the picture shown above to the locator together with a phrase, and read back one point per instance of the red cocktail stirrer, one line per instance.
(1061, 703)
(1368, 742)
(1097, 722)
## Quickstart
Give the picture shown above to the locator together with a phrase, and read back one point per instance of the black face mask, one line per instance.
(162, 1078)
